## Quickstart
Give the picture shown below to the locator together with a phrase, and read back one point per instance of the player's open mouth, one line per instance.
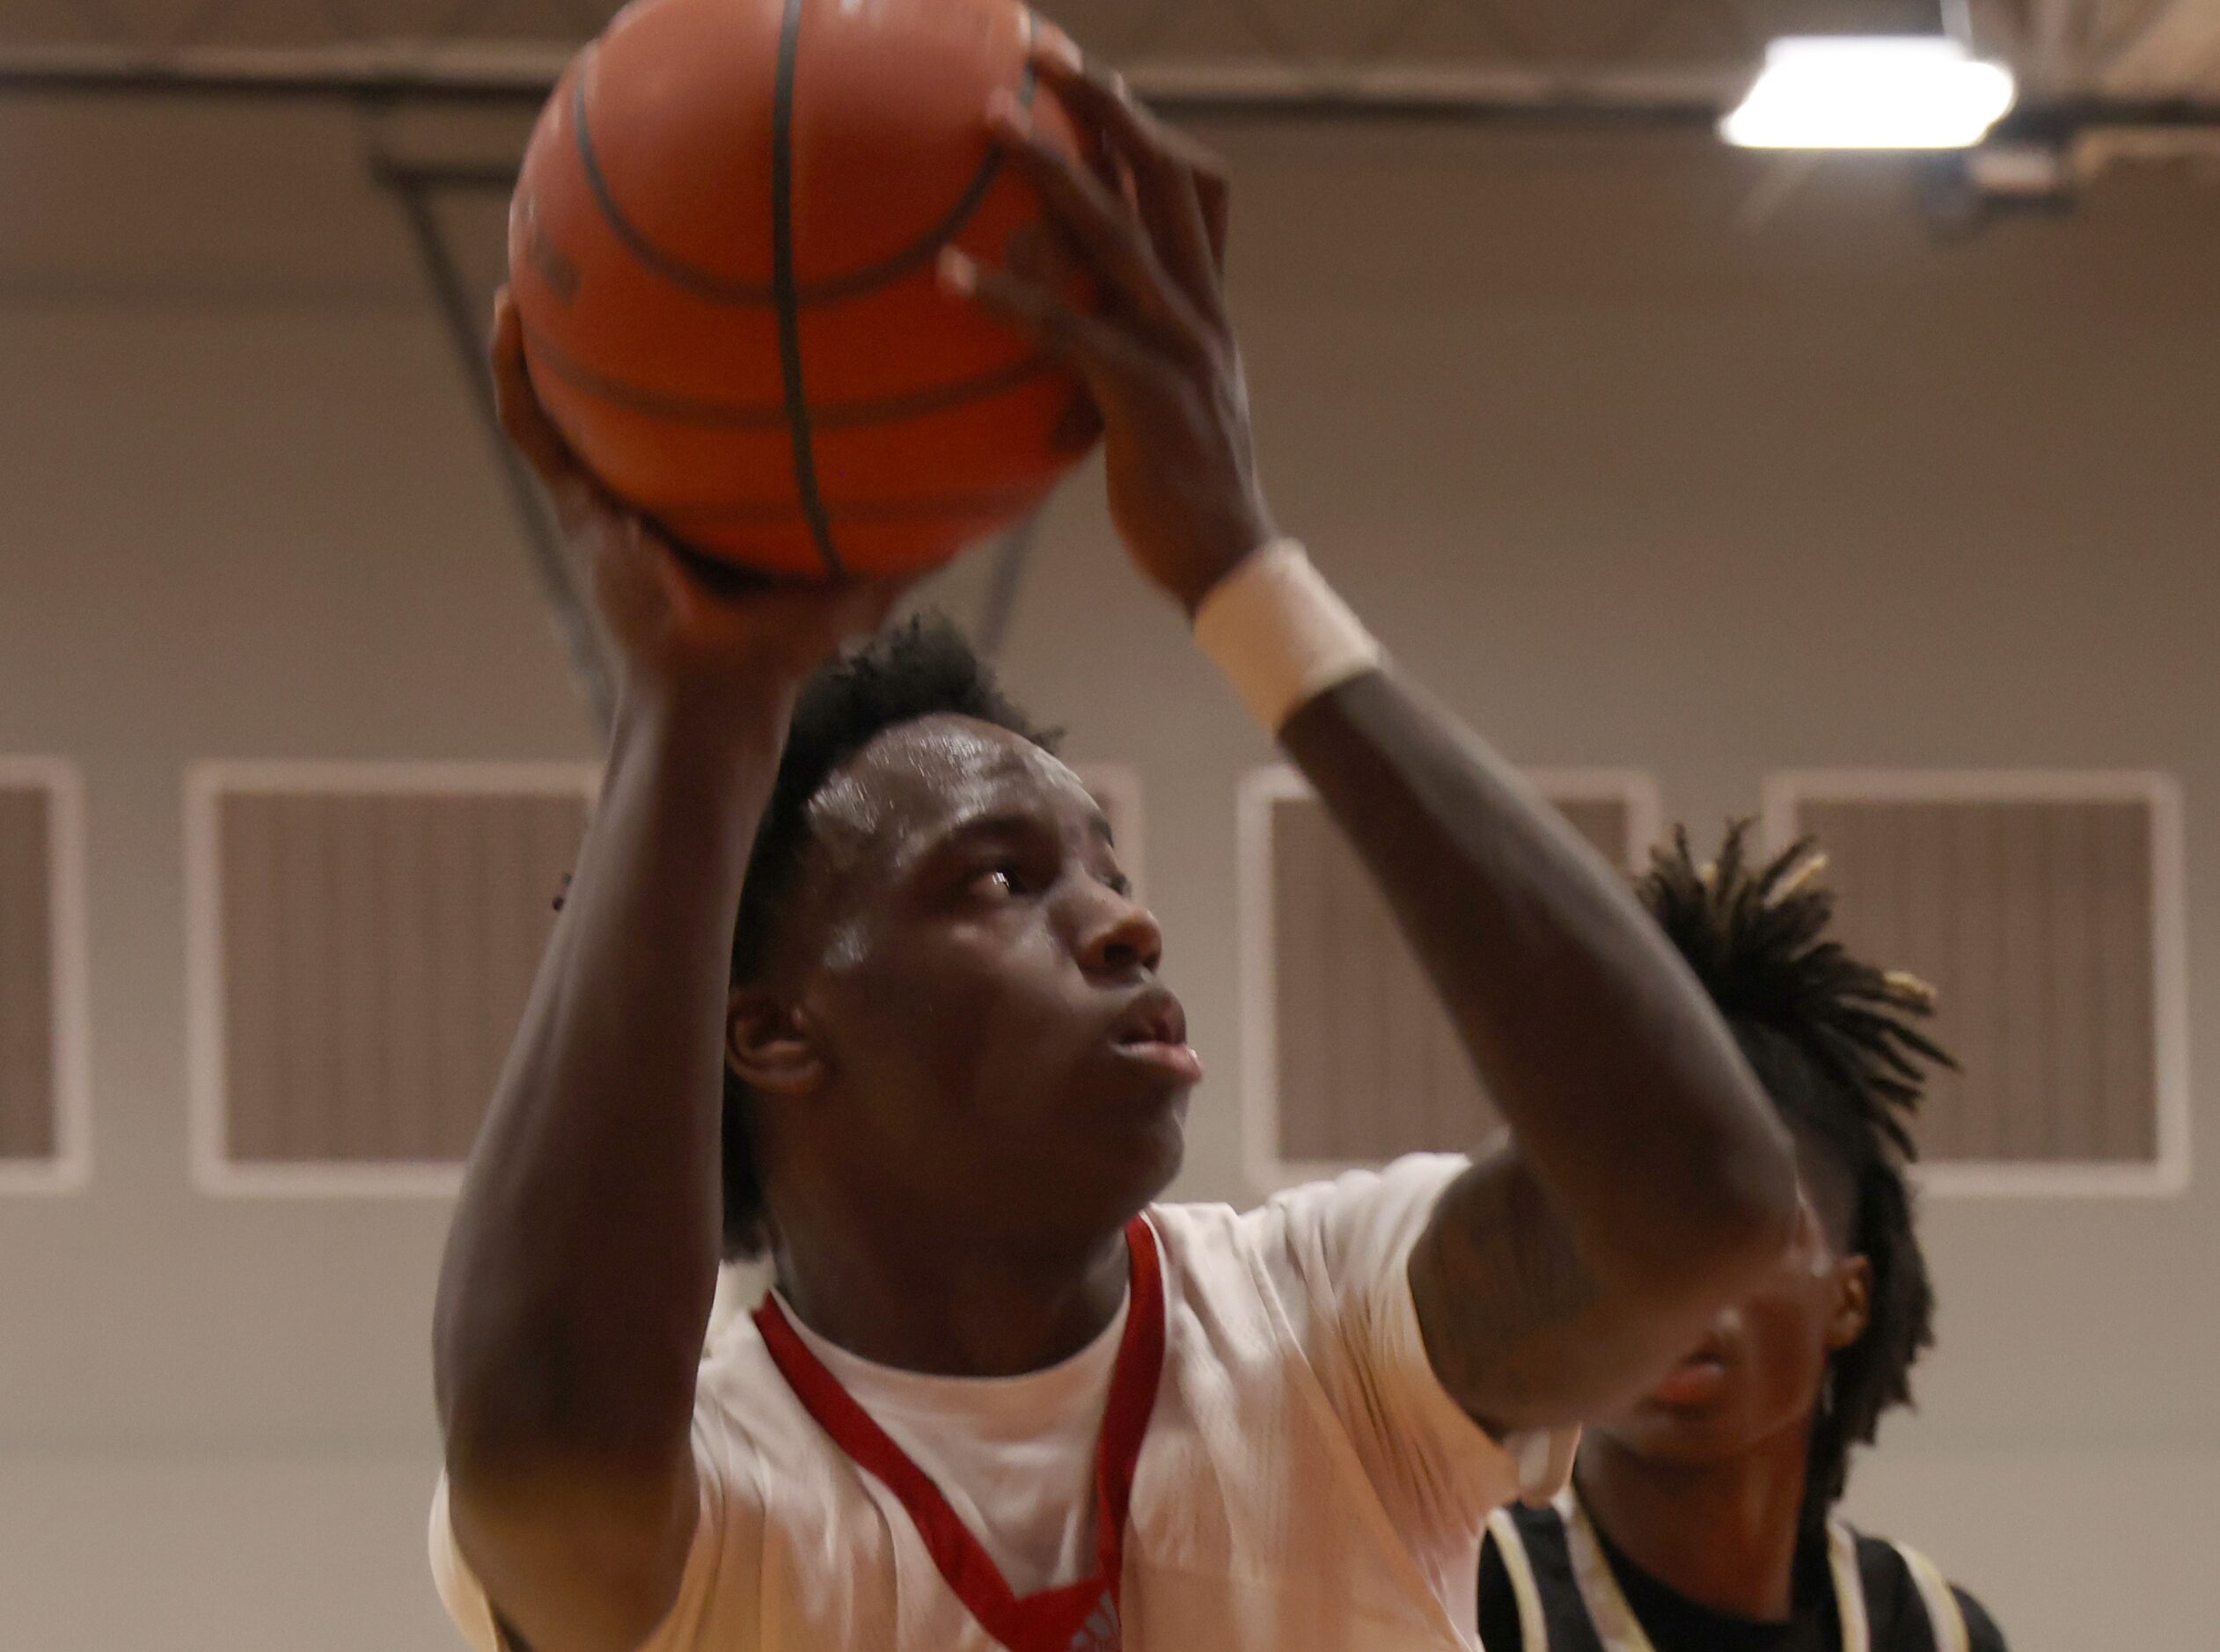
(1696, 1380)
(1153, 1031)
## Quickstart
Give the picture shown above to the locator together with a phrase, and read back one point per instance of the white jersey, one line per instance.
(1306, 1484)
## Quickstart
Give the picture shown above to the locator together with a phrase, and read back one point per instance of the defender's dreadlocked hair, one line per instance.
(921, 669)
(1833, 1041)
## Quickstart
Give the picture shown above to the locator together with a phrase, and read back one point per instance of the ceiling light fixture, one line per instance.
(1873, 91)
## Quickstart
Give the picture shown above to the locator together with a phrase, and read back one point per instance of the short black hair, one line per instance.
(920, 668)
(1834, 1040)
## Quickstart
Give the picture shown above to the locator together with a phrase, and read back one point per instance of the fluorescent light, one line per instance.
(1871, 91)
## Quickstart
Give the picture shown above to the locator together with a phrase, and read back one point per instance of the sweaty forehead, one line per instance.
(917, 781)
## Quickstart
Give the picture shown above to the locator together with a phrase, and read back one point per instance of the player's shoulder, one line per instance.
(1392, 1193)
(1308, 1245)
(736, 1366)
(750, 1429)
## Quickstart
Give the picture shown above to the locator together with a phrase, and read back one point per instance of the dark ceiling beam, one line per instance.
(1510, 98)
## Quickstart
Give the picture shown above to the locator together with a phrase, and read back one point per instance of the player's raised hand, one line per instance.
(1159, 357)
(684, 627)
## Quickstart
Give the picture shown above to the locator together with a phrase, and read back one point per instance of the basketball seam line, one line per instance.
(833, 290)
(800, 436)
(915, 508)
(860, 414)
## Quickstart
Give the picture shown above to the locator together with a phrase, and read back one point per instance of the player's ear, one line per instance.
(1853, 1309)
(767, 1044)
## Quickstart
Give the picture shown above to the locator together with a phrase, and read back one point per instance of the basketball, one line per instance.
(724, 247)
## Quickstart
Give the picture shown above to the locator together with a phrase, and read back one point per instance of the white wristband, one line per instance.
(1280, 635)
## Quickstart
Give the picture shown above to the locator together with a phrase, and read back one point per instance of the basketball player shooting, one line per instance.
(850, 977)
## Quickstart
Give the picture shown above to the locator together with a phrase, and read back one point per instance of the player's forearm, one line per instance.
(582, 1266)
(1628, 1098)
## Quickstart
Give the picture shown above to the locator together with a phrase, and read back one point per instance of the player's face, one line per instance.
(998, 1047)
(1759, 1371)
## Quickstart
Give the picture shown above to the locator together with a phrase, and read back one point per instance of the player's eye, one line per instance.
(1004, 880)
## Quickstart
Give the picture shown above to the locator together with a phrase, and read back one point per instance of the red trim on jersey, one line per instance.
(1085, 1614)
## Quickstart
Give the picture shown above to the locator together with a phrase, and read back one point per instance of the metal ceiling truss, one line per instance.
(416, 191)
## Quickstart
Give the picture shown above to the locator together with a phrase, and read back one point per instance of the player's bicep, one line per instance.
(572, 1562)
(1518, 1329)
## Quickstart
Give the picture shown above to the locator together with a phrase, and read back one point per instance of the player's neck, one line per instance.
(948, 1309)
(1724, 1535)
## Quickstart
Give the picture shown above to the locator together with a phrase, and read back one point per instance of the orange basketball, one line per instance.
(724, 248)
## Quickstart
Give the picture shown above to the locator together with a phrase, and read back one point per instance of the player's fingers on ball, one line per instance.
(817, 621)
(634, 553)
(1111, 174)
(1216, 193)
(625, 580)
(726, 581)
(694, 595)
(1022, 305)
(1098, 98)
(1055, 50)
(1163, 161)
(1167, 202)
(1038, 253)
(1027, 306)
(1080, 428)
(866, 606)
(1105, 229)
(521, 413)
(527, 425)
(508, 338)
(1186, 192)
(1082, 200)
(1042, 255)
(1211, 181)
(1177, 225)
(1098, 351)
(1062, 329)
